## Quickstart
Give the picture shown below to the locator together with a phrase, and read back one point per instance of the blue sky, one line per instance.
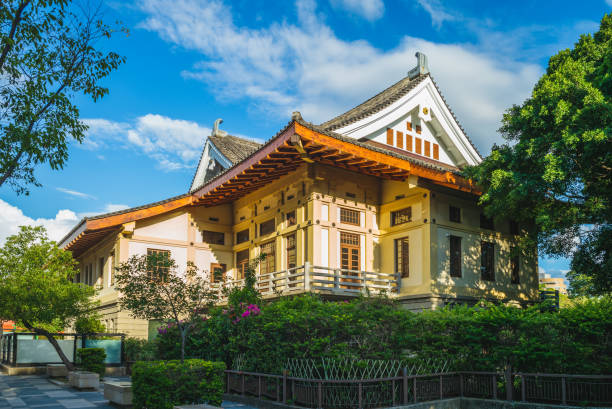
(254, 62)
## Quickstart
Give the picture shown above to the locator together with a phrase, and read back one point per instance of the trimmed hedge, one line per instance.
(92, 360)
(164, 384)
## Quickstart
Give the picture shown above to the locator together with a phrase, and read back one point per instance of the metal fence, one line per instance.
(405, 389)
(31, 349)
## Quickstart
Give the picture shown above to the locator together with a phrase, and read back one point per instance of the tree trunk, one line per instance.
(40, 331)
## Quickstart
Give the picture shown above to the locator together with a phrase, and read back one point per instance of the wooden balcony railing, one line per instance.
(319, 279)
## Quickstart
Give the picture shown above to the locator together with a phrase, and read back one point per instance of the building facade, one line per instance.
(369, 202)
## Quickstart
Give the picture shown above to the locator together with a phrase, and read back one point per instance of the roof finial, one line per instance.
(296, 116)
(422, 67)
(216, 131)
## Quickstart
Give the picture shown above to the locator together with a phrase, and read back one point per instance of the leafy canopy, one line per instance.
(554, 174)
(47, 55)
(36, 285)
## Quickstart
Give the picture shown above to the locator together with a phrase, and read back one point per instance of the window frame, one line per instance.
(219, 234)
(291, 221)
(452, 212)
(267, 224)
(242, 264)
(156, 274)
(515, 269)
(213, 278)
(268, 265)
(402, 260)
(346, 219)
(291, 248)
(454, 262)
(398, 214)
(248, 236)
(486, 273)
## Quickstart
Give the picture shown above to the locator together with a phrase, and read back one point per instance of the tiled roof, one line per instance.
(374, 104)
(234, 148)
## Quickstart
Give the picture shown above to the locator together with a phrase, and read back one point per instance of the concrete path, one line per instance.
(33, 391)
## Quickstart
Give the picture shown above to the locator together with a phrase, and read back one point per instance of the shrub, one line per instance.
(92, 360)
(164, 384)
(89, 325)
(137, 349)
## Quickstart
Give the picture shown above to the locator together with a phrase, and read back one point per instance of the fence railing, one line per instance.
(31, 349)
(405, 389)
(318, 279)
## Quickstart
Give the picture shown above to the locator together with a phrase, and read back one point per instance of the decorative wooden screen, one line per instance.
(242, 263)
(389, 136)
(268, 265)
(158, 263)
(217, 272)
(400, 139)
(515, 269)
(436, 151)
(401, 216)
(455, 256)
(266, 227)
(349, 216)
(213, 237)
(427, 148)
(349, 251)
(291, 247)
(454, 214)
(242, 236)
(402, 257)
(487, 256)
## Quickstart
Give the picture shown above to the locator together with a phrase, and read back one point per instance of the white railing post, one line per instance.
(336, 278)
(306, 276)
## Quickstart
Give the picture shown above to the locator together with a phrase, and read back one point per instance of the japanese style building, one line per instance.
(370, 201)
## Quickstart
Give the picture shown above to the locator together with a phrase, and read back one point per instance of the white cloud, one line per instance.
(75, 193)
(12, 217)
(436, 11)
(305, 66)
(174, 143)
(109, 208)
(369, 9)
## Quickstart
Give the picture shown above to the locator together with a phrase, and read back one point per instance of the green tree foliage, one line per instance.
(577, 340)
(89, 324)
(36, 285)
(554, 175)
(47, 55)
(152, 287)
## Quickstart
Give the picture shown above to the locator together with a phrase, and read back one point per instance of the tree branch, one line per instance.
(16, 21)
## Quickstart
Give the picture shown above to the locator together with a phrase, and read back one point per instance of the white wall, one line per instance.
(174, 228)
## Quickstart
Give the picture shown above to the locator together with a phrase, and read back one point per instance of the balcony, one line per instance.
(317, 279)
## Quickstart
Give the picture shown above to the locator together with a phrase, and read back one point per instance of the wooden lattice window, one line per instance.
(242, 263)
(487, 257)
(350, 216)
(455, 256)
(454, 214)
(515, 269)
(217, 272)
(350, 256)
(158, 264)
(290, 217)
(213, 237)
(266, 227)
(401, 216)
(291, 247)
(402, 257)
(242, 236)
(268, 265)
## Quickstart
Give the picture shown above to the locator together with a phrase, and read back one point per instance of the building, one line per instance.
(369, 201)
(552, 283)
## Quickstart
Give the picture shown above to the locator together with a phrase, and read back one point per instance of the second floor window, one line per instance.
(350, 216)
(266, 227)
(291, 219)
(454, 214)
(401, 216)
(242, 263)
(242, 236)
(213, 237)
(455, 256)
(159, 263)
(487, 259)
(402, 257)
(268, 265)
(291, 251)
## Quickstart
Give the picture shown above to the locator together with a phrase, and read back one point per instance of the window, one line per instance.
(77, 278)
(266, 227)
(101, 269)
(217, 272)
(291, 251)
(159, 263)
(268, 264)
(515, 268)
(455, 256)
(349, 216)
(402, 257)
(401, 216)
(514, 227)
(111, 269)
(242, 236)
(349, 251)
(486, 222)
(290, 217)
(487, 256)
(213, 237)
(242, 263)
(454, 214)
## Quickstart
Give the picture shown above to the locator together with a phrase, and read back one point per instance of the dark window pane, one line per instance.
(242, 263)
(454, 214)
(455, 256)
(290, 217)
(266, 227)
(487, 257)
(349, 216)
(402, 257)
(213, 237)
(242, 236)
(268, 265)
(401, 216)
(291, 251)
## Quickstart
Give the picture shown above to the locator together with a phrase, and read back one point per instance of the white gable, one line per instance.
(211, 163)
(419, 122)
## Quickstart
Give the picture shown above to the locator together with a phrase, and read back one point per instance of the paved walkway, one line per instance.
(34, 391)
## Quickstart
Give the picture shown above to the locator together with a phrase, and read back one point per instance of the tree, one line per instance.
(47, 55)
(554, 173)
(36, 285)
(89, 324)
(152, 287)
